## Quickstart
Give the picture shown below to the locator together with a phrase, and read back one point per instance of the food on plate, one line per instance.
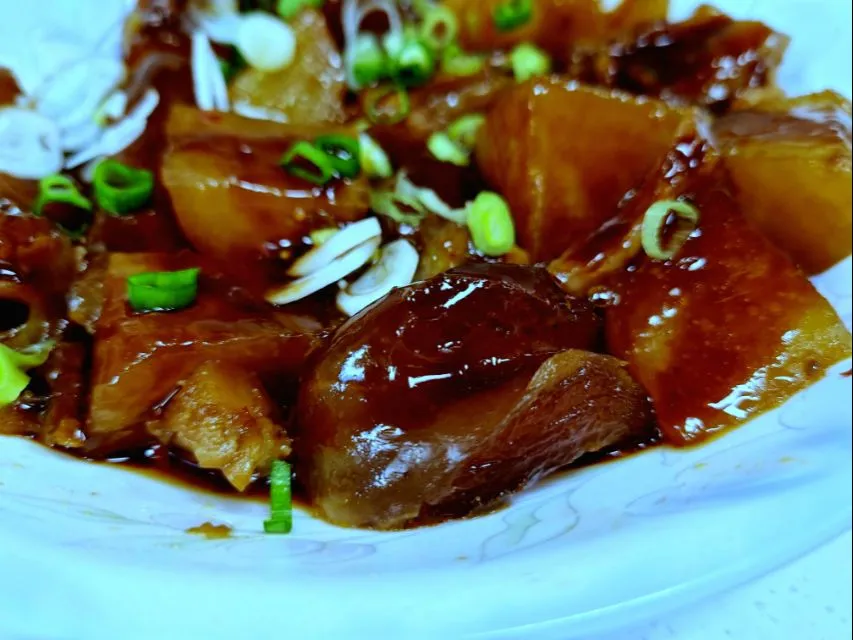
(400, 259)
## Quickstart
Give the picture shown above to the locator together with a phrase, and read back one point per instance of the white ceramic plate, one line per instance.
(93, 552)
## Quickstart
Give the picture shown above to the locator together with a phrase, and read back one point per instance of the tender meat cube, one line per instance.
(565, 155)
(231, 197)
(709, 60)
(37, 265)
(139, 359)
(66, 376)
(418, 388)
(309, 91)
(687, 327)
(223, 418)
(790, 162)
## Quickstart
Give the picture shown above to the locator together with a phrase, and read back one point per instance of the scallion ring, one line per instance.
(655, 222)
(529, 61)
(288, 9)
(120, 189)
(456, 62)
(439, 27)
(281, 499)
(344, 153)
(163, 291)
(387, 104)
(304, 160)
(414, 63)
(491, 225)
(512, 14)
(369, 62)
(59, 189)
(374, 160)
(464, 130)
(443, 148)
(13, 367)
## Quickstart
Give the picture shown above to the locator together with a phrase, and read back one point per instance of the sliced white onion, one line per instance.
(430, 199)
(87, 173)
(353, 14)
(248, 110)
(340, 243)
(121, 135)
(114, 106)
(73, 95)
(29, 144)
(219, 19)
(211, 91)
(267, 43)
(80, 137)
(395, 268)
(337, 269)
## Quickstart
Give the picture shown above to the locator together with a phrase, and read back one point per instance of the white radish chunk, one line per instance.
(337, 269)
(266, 42)
(395, 268)
(344, 240)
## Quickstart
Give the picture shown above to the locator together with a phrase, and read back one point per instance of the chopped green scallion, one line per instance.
(120, 189)
(414, 63)
(491, 225)
(374, 160)
(656, 220)
(344, 153)
(59, 189)
(163, 291)
(288, 9)
(439, 27)
(281, 499)
(387, 104)
(456, 62)
(304, 160)
(529, 61)
(14, 364)
(513, 14)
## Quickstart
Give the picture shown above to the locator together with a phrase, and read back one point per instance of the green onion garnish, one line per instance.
(387, 104)
(281, 499)
(439, 27)
(455, 145)
(374, 160)
(369, 62)
(414, 63)
(289, 8)
(399, 208)
(529, 61)
(343, 151)
(464, 130)
(163, 291)
(655, 221)
(59, 189)
(445, 149)
(13, 364)
(456, 62)
(306, 161)
(513, 14)
(121, 189)
(490, 223)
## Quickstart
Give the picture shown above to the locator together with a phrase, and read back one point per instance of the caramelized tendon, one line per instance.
(709, 60)
(223, 419)
(790, 162)
(140, 359)
(564, 155)
(727, 330)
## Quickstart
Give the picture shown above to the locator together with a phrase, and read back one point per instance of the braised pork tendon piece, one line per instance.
(687, 325)
(224, 420)
(564, 155)
(37, 265)
(787, 157)
(709, 60)
(231, 197)
(139, 359)
(310, 90)
(448, 374)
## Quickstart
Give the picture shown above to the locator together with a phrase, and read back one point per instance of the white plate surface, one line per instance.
(93, 552)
